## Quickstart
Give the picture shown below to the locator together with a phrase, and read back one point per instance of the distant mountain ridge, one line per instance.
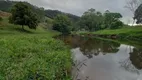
(52, 13)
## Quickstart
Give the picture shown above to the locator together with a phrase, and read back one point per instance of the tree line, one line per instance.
(93, 20)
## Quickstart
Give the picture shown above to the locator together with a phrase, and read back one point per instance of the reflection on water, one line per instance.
(136, 58)
(94, 47)
(96, 59)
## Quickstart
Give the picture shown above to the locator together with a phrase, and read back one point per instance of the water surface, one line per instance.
(98, 59)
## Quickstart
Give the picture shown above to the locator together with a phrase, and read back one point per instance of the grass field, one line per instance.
(133, 32)
(32, 54)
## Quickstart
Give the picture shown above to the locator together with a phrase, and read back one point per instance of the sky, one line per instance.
(78, 7)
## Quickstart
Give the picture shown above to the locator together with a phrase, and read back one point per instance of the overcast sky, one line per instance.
(77, 7)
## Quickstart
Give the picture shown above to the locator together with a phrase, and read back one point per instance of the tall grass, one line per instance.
(32, 55)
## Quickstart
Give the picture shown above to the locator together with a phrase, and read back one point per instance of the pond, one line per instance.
(99, 59)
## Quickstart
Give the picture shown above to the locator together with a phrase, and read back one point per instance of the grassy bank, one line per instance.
(126, 32)
(32, 54)
(134, 43)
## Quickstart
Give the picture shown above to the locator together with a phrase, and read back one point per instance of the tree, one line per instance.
(136, 58)
(116, 24)
(111, 20)
(138, 14)
(91, 20)
(132, 5)
(22, 15)
(62, 24)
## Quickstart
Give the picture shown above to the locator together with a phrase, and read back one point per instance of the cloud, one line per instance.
(77, 7)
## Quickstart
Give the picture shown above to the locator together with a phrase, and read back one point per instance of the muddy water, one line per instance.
(98, 59)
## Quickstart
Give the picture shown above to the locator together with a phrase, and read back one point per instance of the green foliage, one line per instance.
(111, 20)
(40, 14)
(62, 24)
(138, 14)
(22, 15)
(93, 20)
(116, 24)
(0, 18)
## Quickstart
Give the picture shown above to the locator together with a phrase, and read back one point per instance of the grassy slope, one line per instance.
(134, 31)
(126, 32)
(32, 55)
(134, 43)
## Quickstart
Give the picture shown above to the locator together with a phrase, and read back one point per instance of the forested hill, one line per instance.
(52, 13)
(5, 5)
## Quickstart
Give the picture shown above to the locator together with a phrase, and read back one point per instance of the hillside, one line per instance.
(6, 27)
(6, 6)
(52, 13)
(4, 14)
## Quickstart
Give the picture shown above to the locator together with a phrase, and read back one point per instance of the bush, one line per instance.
(62, 24)
(116, 25)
